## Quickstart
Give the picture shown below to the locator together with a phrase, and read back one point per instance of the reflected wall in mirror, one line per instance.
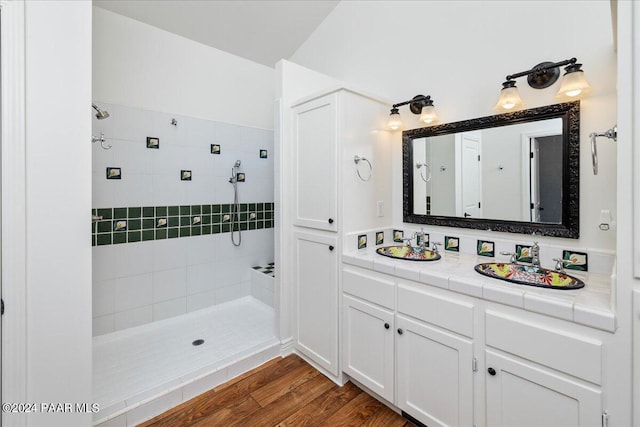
(516, 172)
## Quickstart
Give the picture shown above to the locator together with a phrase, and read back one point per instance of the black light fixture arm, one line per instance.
(415, 104)
(544, 74)
(543, 67)
(417, 98)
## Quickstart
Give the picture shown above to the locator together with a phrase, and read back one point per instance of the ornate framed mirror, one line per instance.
(516, 172)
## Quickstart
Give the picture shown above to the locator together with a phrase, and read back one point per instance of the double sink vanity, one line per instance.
(455, 338)
(449, 346)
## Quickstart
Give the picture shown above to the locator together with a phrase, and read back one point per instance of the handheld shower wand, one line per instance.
(235, 211)
(234, 172)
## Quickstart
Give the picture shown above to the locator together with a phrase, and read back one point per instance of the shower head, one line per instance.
(237, 165)
(100, 114)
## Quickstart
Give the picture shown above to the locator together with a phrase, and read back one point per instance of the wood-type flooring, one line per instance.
(284, 392)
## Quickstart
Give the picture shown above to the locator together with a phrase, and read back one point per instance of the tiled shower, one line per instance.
(162, 243)
(163, 256)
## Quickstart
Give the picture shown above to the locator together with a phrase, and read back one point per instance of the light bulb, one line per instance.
(573, 82)
(509, 97)
(395, 122)
(428, 114)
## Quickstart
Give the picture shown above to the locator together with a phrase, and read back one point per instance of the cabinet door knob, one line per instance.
(331, 247)
(330, 220)
(400, 331)
(491, 371)
(386, 326)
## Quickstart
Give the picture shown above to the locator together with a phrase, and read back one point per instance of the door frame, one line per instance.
(13, 204)
(525, 184)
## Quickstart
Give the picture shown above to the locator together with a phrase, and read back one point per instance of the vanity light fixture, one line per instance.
(419, 104)
(542, 76)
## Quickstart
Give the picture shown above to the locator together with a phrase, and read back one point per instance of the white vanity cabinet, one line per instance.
(388, 338)
(315, 151)
(434, 356)
(519, 393)
(434, 374)
(316, 275)
(368, 328)
(368, 352)
(538, 374)
(463, 361)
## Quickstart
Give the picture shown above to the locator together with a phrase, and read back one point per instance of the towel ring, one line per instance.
(419, 166)
(611, 134)
(357, 159)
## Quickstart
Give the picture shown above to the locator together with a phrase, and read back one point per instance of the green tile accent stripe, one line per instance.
(145, 223)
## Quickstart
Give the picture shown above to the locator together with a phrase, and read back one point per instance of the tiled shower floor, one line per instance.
(132, 365)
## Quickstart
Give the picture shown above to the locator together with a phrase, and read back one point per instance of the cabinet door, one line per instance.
(367, 354)
(434, 374)
(316, 274)
(316, 174)
(521, 394)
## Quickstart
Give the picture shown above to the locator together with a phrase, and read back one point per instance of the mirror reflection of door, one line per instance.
(470, 176)
(534, 180)
(546, 179)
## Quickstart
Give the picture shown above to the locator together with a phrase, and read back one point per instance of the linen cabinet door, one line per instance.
(316, 276)
(434, 374)
(315, 146)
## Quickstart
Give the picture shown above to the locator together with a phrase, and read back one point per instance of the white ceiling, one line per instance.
(261, 31)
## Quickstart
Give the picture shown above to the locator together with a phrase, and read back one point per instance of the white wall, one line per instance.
(460, 52)
(503, 192)
(58, 166)
(363, 133)
(138, 65)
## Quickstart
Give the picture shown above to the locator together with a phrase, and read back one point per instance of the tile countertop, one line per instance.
(590, 306)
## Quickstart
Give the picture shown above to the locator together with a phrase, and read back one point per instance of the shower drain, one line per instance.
(198, 342)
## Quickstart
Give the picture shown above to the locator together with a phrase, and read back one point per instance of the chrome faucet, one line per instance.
(419, 235)
(561, 263)
(535, 255)
(513, 257)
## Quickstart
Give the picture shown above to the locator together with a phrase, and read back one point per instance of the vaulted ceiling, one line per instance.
(261, 31)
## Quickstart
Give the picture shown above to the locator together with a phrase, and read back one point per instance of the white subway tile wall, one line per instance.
(140, 282)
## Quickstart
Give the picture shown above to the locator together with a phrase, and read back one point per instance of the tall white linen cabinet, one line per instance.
(328, 201)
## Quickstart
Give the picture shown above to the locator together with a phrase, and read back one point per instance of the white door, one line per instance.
(367, 354)
(315, 156)
(534, 179)
(316, 276)
(520, 394)
(471, 175)
(434, 374)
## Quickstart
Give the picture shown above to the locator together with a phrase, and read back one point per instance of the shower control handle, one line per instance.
(330, 220)
(331, 247)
